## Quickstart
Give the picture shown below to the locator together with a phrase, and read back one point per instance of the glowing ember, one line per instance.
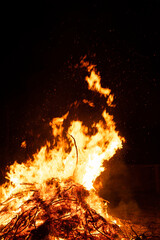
(29, 196)
(61, 212)
(23, 144)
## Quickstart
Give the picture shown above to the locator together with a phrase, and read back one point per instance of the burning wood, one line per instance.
(62, 212)
(51, 196)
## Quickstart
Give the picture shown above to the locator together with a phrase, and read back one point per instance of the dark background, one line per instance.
(40, 45)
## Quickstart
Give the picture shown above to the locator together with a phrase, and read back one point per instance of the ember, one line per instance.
(62, 212)
(53, 195)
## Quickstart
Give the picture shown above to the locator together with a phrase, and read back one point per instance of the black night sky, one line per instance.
(40, 45)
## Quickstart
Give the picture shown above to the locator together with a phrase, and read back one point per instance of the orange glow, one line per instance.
(95, 143)
(23, 144)
(94, 84)
(91, 104)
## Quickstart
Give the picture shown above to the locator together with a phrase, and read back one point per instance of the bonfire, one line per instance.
(62, 214)
(52, 196)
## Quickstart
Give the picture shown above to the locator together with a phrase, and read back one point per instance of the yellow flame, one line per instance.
(95, 144)
(94, 84)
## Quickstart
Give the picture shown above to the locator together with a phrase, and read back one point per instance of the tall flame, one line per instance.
(95, 144)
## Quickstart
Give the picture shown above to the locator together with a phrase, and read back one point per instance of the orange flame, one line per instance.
(95, 85)
(94, 82)
(59, 161)
(23, 144)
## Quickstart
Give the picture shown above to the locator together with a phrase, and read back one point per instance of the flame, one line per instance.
(95, 85)
(94, 149)
(94, 82)
(23, 144)
(91, 104)
(95, 144)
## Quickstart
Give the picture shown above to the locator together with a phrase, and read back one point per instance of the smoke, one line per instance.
(116, 188)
